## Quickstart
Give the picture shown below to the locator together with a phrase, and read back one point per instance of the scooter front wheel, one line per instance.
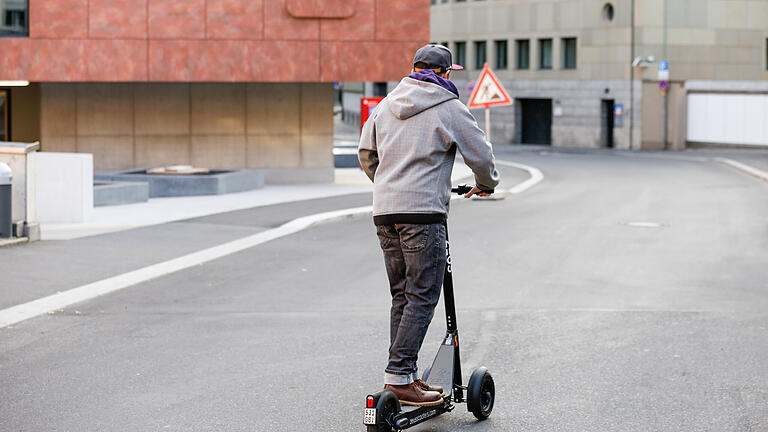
(481, 393)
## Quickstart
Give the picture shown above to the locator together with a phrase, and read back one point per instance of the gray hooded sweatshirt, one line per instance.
(407, 148)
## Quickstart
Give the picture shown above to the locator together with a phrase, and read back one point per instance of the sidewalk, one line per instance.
(161, 210)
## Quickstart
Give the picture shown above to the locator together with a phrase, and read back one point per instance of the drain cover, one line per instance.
(645, 224)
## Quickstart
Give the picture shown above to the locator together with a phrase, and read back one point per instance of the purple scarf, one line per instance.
(428, 75)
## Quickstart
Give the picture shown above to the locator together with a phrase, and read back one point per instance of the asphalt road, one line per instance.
(626, 292)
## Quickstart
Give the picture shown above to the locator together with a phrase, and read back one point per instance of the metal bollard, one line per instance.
(6, 178)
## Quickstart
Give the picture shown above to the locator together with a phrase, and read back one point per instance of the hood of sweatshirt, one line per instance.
(412, 96)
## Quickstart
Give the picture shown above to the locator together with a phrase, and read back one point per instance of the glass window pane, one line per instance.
(461, 53)
(545, 53)
(569, 53)
(523, 48)
(501, 54)
(480, 57)
(13, 18)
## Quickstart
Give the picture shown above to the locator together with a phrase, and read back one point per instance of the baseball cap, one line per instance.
(437, 56)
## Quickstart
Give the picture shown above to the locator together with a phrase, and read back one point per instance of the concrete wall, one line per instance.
(603, 62)
(285, 128)
(580, 122)
(63, 189)
(707, 39)
(602, 46)
(652, 123)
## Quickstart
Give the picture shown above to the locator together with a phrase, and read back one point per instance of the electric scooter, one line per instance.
(383, 412)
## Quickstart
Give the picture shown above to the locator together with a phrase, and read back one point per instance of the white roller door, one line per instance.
(728, 118)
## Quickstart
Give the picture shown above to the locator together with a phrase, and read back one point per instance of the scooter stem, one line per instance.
(450, 320)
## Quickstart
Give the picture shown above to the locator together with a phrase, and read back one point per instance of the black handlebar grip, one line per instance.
(461, 189)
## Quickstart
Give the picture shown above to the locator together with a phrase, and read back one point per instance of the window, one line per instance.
(608, 12)
(13, 18)
(461, 53)
(569, 53)
(501, 54)
(523, 49)
(545, 53)
(480, 55)
(379, 89)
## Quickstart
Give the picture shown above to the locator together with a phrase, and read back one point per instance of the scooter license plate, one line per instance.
(370, 416)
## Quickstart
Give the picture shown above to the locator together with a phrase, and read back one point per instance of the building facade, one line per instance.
(585, 72)
(211, 83)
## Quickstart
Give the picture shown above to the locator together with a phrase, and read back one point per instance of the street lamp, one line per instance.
(640, 62)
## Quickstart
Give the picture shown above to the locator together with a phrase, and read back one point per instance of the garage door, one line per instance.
(718, 118)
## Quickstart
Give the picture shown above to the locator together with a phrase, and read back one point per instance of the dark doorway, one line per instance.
(536, 121)
(4, 111)
(606, 114)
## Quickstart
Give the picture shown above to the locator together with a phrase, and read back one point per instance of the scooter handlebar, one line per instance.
(461, 189)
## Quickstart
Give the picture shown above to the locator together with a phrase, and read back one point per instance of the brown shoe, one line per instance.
(426, 387)
(412, 394)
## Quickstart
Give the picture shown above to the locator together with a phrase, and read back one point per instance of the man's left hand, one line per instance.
(476, 191)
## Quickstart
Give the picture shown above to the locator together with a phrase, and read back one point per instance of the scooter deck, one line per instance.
(412, 415)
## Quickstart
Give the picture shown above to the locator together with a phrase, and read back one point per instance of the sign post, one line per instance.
(663, 76)
(488, 91)
(664, 86)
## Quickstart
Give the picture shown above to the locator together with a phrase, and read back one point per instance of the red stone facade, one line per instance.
(217, 40)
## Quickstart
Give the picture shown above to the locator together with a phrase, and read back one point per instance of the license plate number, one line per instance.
(370, 416)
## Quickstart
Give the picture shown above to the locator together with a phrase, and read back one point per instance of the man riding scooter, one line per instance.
(407, 148)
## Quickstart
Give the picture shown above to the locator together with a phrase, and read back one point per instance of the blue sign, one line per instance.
(618, 115)
(663, 70)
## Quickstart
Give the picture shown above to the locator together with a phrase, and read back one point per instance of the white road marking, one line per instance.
(16, 314)
(762, 175)
(535, 173)
(60, 300)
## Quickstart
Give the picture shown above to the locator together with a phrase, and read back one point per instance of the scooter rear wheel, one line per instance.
(387, 407)
(481, 393)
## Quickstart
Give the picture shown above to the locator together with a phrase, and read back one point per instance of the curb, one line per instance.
(13, 241)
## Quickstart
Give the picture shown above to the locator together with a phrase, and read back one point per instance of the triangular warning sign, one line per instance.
(488, 91)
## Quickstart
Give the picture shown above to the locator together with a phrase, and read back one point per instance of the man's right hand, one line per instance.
(477, 191)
